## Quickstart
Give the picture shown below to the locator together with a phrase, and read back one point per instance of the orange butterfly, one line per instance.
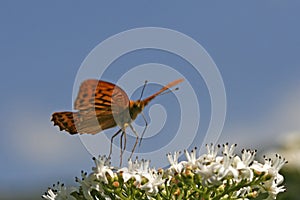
(102, 105)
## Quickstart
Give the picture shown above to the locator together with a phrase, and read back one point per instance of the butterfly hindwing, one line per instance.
(92, 121)
(65, 121)
(88, 121)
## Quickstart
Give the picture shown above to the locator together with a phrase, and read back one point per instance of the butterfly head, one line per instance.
(135, 108)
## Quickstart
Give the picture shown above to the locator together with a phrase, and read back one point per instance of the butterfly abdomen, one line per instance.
(65, 121)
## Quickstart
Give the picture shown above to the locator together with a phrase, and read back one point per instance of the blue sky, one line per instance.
(255, 45)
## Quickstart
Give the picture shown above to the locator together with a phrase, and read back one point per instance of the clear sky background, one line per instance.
(256, 46)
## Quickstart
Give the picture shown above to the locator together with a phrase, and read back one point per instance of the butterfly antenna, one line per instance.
(168, 91)
(143, 89)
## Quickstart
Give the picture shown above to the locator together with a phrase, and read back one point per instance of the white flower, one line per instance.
(211, 155)
(154, 180)
(240, 194)
(272, 185)
(259, 168)
(278, 163)
(226, 169)
(86, 184)
(93, 180)
(191, 158)
(208, 172)
(242, 165)
(139, 170)
(215, 169)
(102, 168)
(136, 170)
(49, 195)
(173, 160)
(229, 150)
(248, 156)
(272, 188)
(62, 193)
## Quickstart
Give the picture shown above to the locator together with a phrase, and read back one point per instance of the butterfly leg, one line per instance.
(125, 140)
(122, 149)
(146, 125)
(111, 141)
(136, 141)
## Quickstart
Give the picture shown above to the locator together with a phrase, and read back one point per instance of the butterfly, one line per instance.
(103, 105)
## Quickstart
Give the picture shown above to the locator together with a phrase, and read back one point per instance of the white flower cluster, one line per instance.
(216, 170)
(210, 176)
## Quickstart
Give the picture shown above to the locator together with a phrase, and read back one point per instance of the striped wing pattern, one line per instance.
(97, 103)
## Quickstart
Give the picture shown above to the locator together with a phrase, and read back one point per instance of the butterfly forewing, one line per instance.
(101, 96)
(98, 102)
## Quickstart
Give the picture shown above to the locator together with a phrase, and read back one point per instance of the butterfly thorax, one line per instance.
(135, 108)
